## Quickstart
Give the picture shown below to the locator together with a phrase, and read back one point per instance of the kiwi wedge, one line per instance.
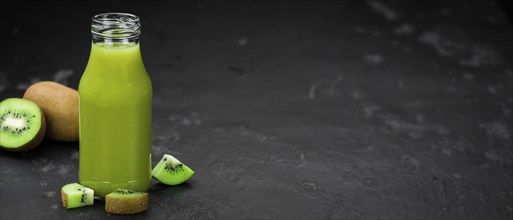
(171, 171)
(22, 124)
(75, 195)
(124, 201)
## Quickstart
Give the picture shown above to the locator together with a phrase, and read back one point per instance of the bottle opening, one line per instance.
(116, 27)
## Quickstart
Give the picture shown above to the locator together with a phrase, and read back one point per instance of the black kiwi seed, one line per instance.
(124, 192)
(16, 115)
(84, 195)
(172, 168)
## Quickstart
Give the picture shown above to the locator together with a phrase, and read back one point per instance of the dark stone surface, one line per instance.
(337, 109)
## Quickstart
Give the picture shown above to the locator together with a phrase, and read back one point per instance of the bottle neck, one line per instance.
(115, 52)
(115, 58)
(114, 42)
(115, 29)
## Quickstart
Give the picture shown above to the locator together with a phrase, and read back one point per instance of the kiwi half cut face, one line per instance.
(22, 124)
(124, 201)
(75, 195)
(171, 171)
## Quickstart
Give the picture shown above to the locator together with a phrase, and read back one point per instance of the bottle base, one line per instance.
(102, 188)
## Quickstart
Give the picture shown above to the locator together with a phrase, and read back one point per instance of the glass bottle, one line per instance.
(115, 108)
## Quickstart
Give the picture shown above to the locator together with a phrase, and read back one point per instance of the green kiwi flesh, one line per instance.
(124, 201)
(171, 171)
(75, 195)
(22, 124)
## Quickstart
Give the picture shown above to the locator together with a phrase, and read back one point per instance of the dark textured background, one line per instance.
(307, 110)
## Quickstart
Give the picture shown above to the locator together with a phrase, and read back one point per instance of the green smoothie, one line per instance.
(115, 120)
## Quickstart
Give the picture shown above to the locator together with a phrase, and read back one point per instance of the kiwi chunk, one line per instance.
(75, 195)
(171, 171)
(124, 201)
(22, 124)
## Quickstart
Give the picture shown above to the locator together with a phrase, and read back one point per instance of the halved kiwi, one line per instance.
(124, 201)
(75, 195)
(171, 171)
(22, 124)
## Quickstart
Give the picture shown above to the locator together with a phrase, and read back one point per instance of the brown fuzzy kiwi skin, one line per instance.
(59, 104)
(126, 205)
(64, 199)
(35, 141)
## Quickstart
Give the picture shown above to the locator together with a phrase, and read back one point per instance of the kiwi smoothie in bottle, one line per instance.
(115, 108)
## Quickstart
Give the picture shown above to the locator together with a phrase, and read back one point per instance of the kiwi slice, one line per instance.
(75, 195)
(22, 124)
(124, 201)
(171, 171)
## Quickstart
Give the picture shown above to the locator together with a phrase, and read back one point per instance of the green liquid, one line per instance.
(115, 120)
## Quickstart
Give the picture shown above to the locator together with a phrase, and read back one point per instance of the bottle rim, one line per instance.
(115, 25)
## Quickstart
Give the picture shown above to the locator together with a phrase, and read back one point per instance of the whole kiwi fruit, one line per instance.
(59, 104)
